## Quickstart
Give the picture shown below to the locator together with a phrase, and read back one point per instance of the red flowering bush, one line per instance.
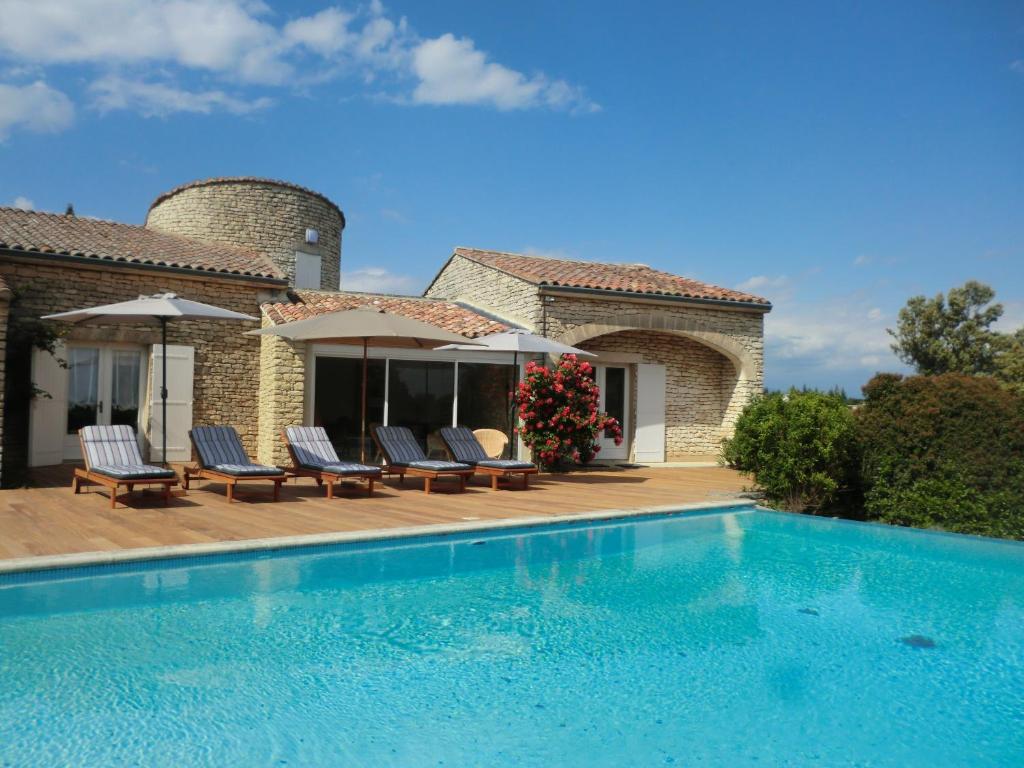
(558, 408)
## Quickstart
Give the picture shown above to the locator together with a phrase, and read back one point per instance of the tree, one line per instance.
(951, 334)
(1010, 361)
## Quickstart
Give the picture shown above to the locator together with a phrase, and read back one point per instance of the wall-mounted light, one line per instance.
(312, 236)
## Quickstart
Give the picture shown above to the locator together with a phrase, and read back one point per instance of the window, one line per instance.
(307, 270)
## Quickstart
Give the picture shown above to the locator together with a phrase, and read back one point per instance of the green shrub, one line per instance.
(800, 447)
(943, 452)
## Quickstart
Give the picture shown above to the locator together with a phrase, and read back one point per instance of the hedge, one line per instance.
(943, 452)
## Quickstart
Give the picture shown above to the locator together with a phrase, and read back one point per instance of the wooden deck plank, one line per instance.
(50, 520)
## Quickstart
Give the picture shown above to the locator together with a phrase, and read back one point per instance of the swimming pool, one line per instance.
(735, 638)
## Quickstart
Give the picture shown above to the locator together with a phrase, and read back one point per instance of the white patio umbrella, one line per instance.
(160, 307)
(516, 341)
(362, 326)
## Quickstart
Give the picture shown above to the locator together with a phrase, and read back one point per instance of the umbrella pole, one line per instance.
(512, 404)
(362, 439)
(163, 388)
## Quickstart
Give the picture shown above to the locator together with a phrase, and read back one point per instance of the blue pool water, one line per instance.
(727, 639)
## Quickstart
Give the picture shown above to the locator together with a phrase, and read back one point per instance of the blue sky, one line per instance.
(836, 157)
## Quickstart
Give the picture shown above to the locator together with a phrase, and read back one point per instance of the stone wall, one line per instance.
(489, 290)
(259, 215)
(227, 370)
(697, 386)
(714, 356)
(282, 395)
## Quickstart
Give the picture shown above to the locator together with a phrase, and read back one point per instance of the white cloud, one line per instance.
(837, 334)
(452, 71)
(1017, 66)
(161, 99)
(149, 47)
(24, 203)
(378, 280)
(761, 282)
(392, 215)
(863, 260)
(36, 107)
(216, 35)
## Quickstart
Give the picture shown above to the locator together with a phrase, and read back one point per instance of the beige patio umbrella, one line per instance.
(364, 325)
(161, 308)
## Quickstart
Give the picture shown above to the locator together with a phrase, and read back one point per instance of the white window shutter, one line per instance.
(649, 444)
(180, 364)
(307, 270)
(48, 418)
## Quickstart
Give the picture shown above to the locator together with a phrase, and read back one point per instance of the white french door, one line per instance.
(613, 381)
(105, 386)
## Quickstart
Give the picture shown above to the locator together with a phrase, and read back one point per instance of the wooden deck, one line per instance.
(49, 520)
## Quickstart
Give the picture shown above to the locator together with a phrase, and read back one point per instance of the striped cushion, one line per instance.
(218, 445)
(346, 468)
(110, 446)
(399, 445)
(436, 466)
(241, 470)
(505, 464)
(312, 447)
(133, 471)
(463, 444)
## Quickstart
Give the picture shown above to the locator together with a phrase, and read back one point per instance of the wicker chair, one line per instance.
(493, 441)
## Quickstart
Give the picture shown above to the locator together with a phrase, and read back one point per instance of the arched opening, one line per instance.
(707, 377)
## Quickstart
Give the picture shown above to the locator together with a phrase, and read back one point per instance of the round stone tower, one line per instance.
(299, 229)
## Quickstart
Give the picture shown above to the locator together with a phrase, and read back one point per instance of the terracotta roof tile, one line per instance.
(32, 232)
(444, 314)
(623, 278)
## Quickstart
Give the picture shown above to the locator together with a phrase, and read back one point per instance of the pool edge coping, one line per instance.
(39, 563)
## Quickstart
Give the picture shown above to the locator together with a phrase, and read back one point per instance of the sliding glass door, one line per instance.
(421, 394)
(338, 402)
(410, 391)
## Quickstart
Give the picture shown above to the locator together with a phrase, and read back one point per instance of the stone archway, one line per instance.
(736, 389)
(746, 367)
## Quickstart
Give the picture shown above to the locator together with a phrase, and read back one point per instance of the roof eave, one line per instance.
(749, 306)
(99, 262)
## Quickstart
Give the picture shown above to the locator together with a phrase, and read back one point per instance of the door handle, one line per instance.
(100, 407)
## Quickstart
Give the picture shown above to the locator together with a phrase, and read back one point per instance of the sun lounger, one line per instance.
(222, 458)
(405, 456)
(112, 459)
(464, 447)
(313, 455)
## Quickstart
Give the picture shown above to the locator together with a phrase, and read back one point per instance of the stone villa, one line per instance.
(677, 358)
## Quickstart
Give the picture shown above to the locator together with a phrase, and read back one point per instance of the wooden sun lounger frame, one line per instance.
(428, 475)
(497, 474)
(87, 477)
(198, 472)
(321, 476)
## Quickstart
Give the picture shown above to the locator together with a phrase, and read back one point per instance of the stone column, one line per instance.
(282, 395)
